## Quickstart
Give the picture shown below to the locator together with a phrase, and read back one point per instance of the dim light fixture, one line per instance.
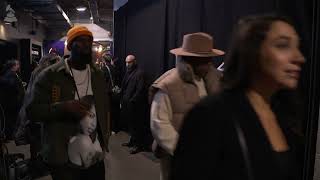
(64, 15)
(100, 49)
(81, 8)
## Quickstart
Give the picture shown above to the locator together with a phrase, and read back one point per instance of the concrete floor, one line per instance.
(121, 166)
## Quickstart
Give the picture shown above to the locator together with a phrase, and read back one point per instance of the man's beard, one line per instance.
(85, 58)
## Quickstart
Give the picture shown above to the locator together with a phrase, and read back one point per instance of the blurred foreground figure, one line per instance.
(244, 132)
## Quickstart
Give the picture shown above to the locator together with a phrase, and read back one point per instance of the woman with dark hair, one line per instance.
(244, 132)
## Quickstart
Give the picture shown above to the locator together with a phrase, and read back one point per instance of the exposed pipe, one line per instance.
(91, 15)
(64, 15)
(97, 10)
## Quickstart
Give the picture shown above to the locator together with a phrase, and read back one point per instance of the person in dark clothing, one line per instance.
(113, 76)
(134, 106)
(240, 134)
(12, 94)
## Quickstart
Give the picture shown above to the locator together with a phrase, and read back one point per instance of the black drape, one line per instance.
(120, 38)
(141, 33)
(312, 89)
(150, 28)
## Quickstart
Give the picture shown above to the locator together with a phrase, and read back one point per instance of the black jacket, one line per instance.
(12, 94)
(209, 148)
(133, 88)
(134, 101)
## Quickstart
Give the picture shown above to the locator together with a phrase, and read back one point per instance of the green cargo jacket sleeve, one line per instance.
(42, 106)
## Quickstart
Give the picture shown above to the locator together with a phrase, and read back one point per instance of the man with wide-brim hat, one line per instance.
(177, 90)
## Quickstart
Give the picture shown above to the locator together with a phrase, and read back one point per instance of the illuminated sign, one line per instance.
(35, 52)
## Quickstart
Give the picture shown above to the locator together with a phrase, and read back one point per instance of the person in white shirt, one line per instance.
(177, 90)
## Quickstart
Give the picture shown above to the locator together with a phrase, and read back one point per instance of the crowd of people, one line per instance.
(201, 121)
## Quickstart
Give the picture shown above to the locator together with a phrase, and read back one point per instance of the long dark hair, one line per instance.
(244, 53)
(242, 62)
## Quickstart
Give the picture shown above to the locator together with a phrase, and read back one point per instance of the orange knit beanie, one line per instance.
(75, 32)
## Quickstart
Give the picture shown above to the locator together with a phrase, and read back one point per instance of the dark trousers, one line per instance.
(11, 116)
(36, 137)
(139, 128)
(115, 114)
(125, 115)
(69, 172)
(136, 117)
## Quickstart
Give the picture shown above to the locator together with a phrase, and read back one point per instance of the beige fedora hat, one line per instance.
(197, 44)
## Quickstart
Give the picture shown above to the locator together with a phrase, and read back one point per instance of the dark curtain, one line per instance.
(312, 86)
(139, 30)
(120, 37)
(150, 28)
(215, 17)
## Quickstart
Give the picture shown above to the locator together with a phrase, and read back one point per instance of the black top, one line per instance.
(209, 149)
(284, 162)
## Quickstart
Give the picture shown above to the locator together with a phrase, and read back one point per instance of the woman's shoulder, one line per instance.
(221, 100)
(218, 109)
(210, 118)
(81, 141)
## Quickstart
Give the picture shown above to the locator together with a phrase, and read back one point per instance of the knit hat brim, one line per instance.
(76, 32)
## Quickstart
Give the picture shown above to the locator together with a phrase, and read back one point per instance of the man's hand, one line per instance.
(78, 109)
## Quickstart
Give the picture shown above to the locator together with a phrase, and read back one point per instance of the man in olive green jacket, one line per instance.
(57, 101)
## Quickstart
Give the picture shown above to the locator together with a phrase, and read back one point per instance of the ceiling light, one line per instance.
(81, 8)
(100, 49)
